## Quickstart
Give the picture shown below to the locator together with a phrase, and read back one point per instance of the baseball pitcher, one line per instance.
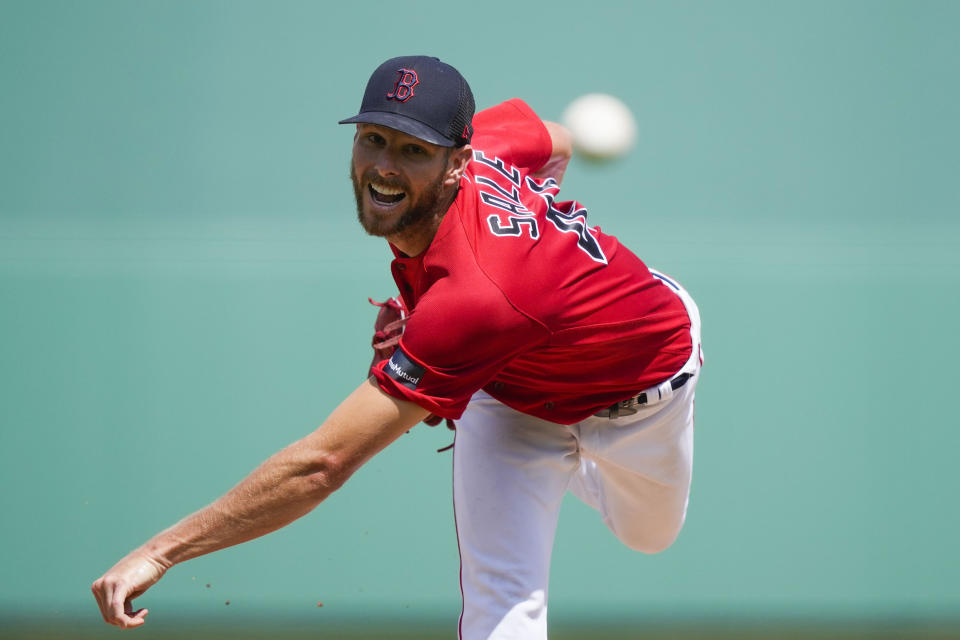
(566, 363)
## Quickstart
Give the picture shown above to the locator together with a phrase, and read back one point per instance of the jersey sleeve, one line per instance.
(449, 350)
(513, 132)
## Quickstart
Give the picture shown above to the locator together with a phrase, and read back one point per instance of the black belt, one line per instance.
(632, 405)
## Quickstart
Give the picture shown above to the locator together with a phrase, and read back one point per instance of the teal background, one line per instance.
(183, 291)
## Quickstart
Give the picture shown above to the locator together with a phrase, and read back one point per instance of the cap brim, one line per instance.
(407, 125)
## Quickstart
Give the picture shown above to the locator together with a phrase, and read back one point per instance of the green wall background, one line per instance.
(183, 291)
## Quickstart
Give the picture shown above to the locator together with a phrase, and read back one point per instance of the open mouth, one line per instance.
(386, 195)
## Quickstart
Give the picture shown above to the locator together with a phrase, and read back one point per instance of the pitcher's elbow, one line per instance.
(327, 473)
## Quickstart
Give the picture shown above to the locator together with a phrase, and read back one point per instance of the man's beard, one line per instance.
(429, 205)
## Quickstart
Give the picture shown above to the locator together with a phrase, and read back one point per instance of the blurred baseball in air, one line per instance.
(602, 126)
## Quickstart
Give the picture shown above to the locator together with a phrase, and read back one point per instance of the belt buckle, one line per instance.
(626, 407)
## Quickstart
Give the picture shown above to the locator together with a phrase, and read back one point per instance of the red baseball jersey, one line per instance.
(518, 296)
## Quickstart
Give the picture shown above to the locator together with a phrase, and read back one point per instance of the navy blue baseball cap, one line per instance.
(422, 97)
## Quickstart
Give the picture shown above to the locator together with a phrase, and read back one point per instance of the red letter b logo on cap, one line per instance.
(405, 84)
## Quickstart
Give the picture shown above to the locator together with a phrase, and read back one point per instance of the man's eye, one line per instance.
(375, 138)
(415, 150)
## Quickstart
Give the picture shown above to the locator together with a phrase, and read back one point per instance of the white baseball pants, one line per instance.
(511, 471)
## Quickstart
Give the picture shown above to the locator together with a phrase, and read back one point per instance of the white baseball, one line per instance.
(602, 126)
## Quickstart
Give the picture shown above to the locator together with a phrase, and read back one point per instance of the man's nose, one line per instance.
(386, 164)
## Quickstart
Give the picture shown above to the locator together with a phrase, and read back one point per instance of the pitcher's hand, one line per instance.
(126, 580)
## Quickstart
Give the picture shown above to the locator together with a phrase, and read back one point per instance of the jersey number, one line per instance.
(513, 229)
(573, 220)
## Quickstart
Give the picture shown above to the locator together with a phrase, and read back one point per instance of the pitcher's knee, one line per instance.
(650, 544)
(649, 537)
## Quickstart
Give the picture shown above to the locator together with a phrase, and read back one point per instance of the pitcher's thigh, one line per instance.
(638, 470)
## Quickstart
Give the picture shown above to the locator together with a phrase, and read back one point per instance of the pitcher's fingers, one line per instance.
(127, 621)
(110, 600)
(120, 609)
(101, 599)
(137, 619)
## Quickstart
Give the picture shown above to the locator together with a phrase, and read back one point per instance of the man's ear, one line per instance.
(459, 159)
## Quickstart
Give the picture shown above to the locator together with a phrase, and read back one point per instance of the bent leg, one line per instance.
(511, 472)
(636, 471)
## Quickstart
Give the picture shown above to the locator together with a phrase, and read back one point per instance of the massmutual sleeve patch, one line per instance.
(404, 370)
(406, 377)
(449, 349)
